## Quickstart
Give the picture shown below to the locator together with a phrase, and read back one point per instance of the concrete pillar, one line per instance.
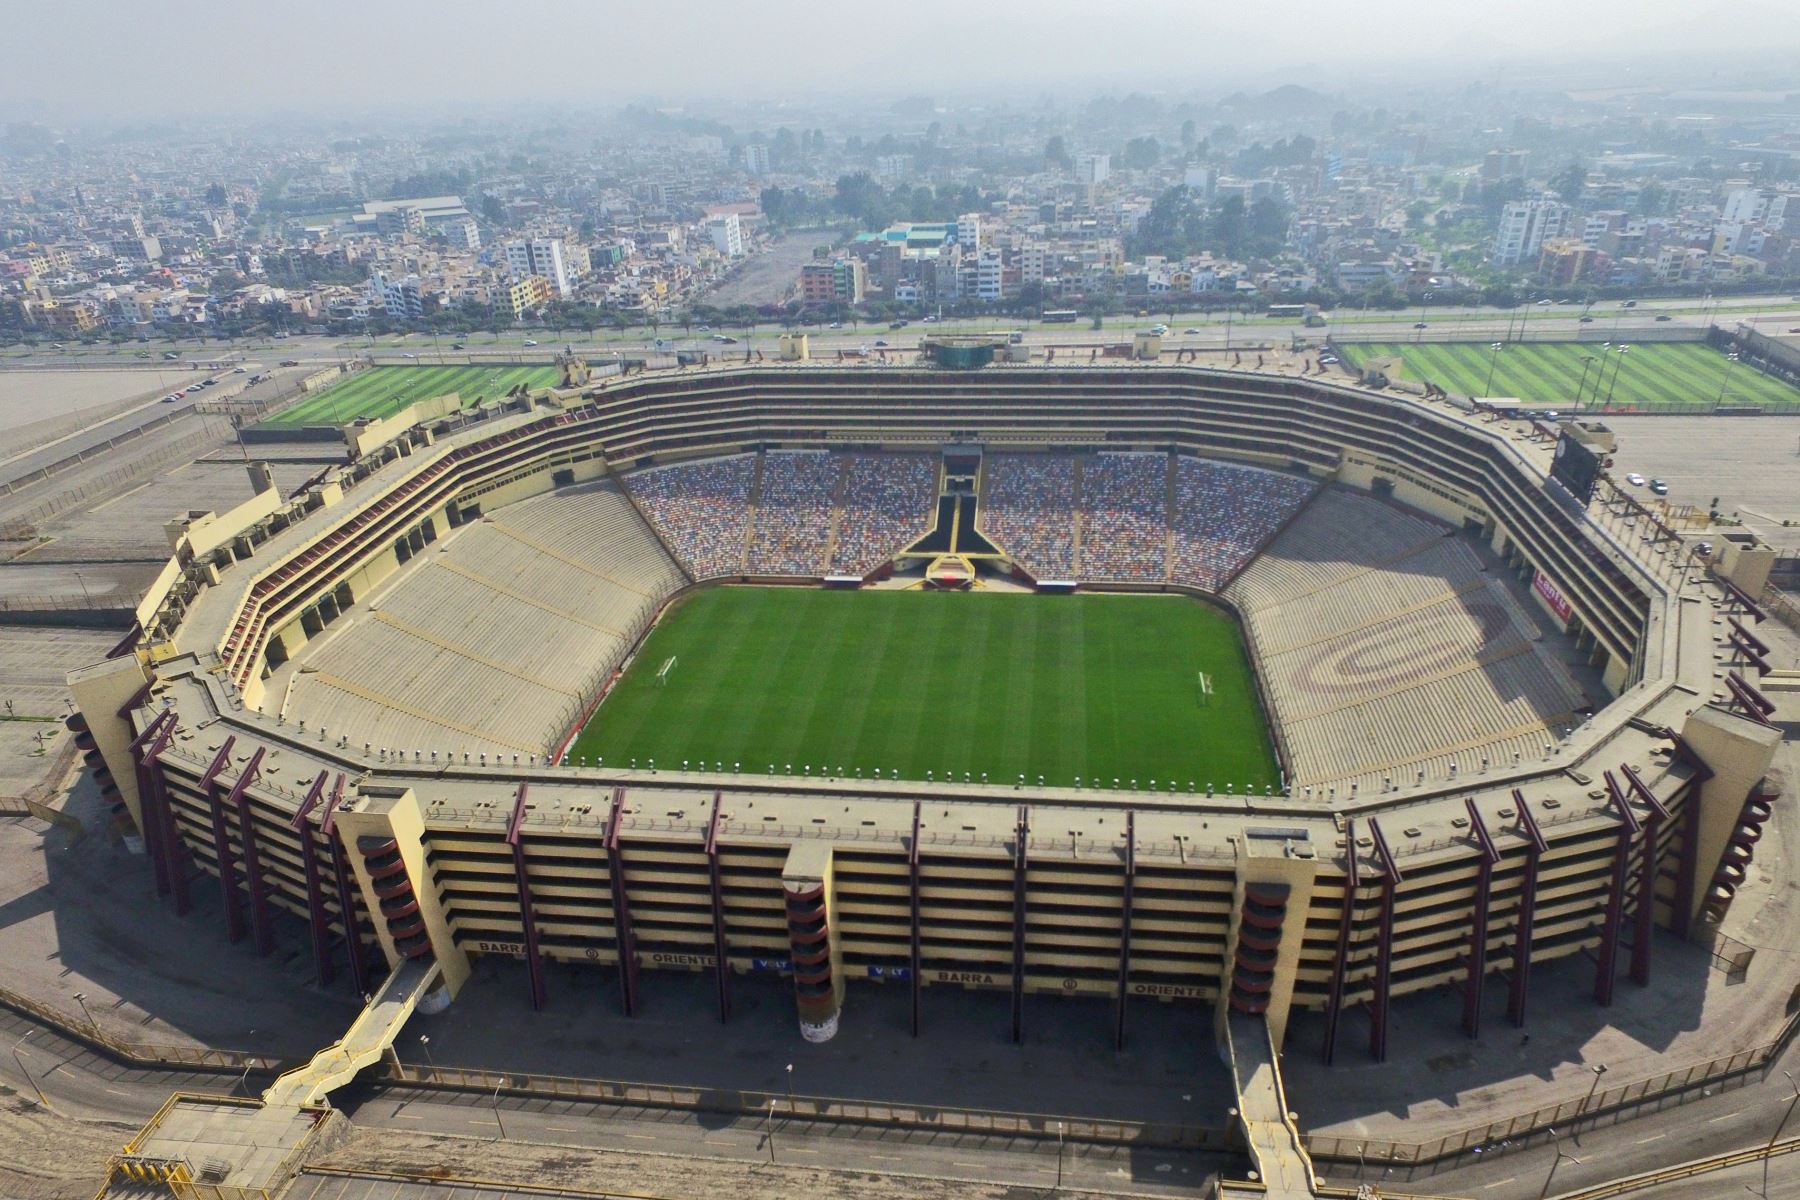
(1738, 751)
(1271, 900)
(377, 815)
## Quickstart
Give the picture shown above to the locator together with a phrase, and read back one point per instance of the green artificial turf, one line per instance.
(1650, 377)
(1096, 686)
(380, 392)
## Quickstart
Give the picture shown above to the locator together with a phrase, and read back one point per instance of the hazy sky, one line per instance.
(135, 59)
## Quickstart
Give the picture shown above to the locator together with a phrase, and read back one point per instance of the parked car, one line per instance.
(170, 355)
(1634, 479)
(191, 388)
(531, 341)
(1659, 487)
(880, 343)
(240, 370)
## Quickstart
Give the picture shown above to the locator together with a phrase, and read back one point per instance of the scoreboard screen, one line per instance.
(1576, 467)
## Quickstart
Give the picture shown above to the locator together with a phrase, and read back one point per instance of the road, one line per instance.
(1774, 314)
(1029, 1162)
(80, 1085)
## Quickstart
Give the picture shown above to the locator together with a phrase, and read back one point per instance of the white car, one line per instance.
(1190, 329)
(530, 342)
(1634, 479)
(240, 370)
(409, 356)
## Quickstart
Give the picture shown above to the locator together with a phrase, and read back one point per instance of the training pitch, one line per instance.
(1010, 684)
(380, 392)
(1648, 377)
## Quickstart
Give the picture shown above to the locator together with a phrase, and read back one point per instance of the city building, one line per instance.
(726, 232)
(524, 295)
(542, 257)
(1524, 224)
(842, 279)
(1093, 168)
(756, 158)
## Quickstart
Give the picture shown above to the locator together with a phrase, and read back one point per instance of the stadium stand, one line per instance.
(1028, 508)
(1224, 514)
(791, 521)
(1125, 518)
(1386, 650)
(887, 504)
(498, 636)
(701, 509)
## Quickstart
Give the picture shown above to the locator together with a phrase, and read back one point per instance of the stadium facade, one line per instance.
(1325, 899)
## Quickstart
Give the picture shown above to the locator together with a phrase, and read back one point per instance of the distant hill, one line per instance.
(1288, 100)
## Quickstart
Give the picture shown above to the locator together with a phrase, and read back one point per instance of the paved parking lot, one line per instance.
(1751, 464)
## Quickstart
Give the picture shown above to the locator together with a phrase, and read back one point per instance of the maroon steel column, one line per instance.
(151, 825)
(721, 947)
(1384, 946)
(1645, 927)
(1334, 1002)
(222, 852)
(1125, 930)
(534, 961)
(1021, 834)
(1607, 960)
(353, 943)
(1524, 930)
(623, 938)
(912, 869)
(318, 920)
(259, 895)
(174, 849)
(1476, 979)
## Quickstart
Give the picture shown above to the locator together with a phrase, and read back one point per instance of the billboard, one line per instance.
(1576, 467)
(1552, 598)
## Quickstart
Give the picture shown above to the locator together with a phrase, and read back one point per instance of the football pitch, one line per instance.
(1648, 377)
(1095, 686)
(380, 392)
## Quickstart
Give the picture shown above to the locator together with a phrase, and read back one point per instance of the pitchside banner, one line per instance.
(1552, 597)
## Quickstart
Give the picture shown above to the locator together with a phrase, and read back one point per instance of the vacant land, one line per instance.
(1099, 687)
(1648, 377)
(380, 392)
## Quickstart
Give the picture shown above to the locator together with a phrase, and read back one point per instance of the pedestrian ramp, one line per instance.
(373, 1031)
(1283, 1171)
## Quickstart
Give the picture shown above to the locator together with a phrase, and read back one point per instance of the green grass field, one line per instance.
(380, 392)
(1651, 376)
(1060, 686)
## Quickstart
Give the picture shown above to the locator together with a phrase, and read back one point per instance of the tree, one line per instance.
(1227, 229)
(1653, 198)
(1569, 181)
(1175, 225)
(1056, 155)
(1141, 153)
(1188, 133)
(215, 195)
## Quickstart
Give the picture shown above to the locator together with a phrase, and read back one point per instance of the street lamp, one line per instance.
(1493, 361)
(1588, 1100)
(1731, 360)
(425, 1042)
(769, 1130)
(20, 1063)
(1587, 361)
(790, 1085)
(1059, 1154)
(496, 1102)
(1617, 367)
(1795, 1099)
(81, 999)
(1555, 1163)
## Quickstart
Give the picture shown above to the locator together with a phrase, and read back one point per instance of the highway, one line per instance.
(1774, 315)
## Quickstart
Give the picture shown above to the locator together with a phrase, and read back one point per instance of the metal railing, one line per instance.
(1613, 1100)
(731, 1102)
(144, 1054)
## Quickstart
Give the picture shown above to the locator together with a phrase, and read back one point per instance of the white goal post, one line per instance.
(663, 672)
(1204, 685)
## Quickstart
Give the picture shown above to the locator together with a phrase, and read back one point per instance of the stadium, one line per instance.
(1156, 684)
